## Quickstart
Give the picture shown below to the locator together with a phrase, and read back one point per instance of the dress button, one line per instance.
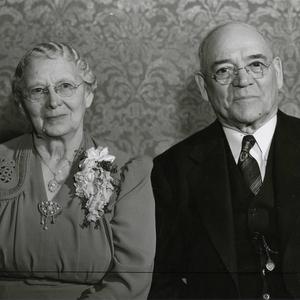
(266, 296)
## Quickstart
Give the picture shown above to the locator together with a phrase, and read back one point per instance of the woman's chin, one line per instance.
(55, 132)
(60, 131)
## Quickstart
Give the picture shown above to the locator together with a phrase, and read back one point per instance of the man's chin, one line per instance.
(248, 116)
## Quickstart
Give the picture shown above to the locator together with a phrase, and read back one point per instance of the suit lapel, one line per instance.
(210, 191)
(287, 197)
(286, 178)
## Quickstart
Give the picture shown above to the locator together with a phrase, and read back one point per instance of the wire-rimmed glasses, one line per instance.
(226, 75)
(63, 89)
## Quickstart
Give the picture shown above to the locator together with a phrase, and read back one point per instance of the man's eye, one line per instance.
(256, 64)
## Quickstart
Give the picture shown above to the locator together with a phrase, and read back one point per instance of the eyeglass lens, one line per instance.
(63, 89)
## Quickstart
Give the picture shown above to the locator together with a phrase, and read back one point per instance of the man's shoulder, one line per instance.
(288, 119)
(289, 124)
(181, 150)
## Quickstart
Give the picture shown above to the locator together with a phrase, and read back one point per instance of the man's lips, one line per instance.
(55, 117)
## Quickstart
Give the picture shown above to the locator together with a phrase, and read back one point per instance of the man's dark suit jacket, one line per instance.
(196, 255)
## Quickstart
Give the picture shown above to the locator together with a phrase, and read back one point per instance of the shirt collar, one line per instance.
(263, 137)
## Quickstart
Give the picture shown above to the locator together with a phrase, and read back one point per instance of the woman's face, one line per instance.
(55, 115)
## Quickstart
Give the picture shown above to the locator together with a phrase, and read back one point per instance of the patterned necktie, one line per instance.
(248, 165)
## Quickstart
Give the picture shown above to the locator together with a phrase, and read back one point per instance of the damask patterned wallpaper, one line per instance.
(144, 53)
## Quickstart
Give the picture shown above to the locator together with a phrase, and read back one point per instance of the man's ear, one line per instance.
(279, 74)
(201, 85)
(89, 98)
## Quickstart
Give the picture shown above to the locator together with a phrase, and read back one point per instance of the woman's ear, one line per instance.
(89, 97)
(17, 99)
(201, 85)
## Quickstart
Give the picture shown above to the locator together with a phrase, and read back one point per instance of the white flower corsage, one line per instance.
(94, 182)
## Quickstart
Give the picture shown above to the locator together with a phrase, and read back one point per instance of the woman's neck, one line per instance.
(54, 150)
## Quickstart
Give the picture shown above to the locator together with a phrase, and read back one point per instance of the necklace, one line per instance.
(54, 183)
(49, 208)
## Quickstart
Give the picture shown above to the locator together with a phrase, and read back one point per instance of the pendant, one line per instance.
(270, 265)
(48, 209)
(53, 185)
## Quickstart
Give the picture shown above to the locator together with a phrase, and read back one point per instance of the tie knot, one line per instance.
(248, 142)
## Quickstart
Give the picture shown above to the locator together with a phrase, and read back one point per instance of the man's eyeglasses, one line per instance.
(64, 89)
(226, 75)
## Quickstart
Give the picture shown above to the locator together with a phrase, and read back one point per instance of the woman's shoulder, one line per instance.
(133, 170)
(124, 161)
(132, 166)
(13, 162)
(141, 164)
(10, 147)
(130, 171)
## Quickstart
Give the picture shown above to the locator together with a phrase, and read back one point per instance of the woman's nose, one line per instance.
(54, 99)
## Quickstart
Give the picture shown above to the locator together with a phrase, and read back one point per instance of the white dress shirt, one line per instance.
(260, 150)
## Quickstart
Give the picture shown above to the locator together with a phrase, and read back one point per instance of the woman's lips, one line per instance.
(242, 98)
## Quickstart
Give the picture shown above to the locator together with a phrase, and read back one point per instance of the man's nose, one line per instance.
(242, 78)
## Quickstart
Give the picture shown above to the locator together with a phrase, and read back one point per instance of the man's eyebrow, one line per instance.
(261, 56)
(252, 56)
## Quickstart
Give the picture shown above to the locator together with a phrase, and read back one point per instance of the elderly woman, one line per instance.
(76, 218)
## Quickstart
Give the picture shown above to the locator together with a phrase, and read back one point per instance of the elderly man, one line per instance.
(228, 197)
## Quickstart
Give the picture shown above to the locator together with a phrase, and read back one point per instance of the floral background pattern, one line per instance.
(144, 53)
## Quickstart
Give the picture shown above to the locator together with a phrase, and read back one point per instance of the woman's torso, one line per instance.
(66, 251)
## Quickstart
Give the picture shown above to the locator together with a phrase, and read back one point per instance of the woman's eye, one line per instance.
(66, 85)
(222, 71)
(37, 90)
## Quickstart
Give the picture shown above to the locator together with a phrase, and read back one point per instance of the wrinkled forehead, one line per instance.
(235, 41)
(42, 69)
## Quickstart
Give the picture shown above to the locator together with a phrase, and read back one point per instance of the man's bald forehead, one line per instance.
(216, 32)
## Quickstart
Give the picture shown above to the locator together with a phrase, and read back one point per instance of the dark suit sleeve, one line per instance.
(167, 281)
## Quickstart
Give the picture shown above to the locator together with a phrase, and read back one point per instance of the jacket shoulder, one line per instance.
(181, 150)
(288, 119)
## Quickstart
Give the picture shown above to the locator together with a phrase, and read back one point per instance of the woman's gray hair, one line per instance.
(51, 50)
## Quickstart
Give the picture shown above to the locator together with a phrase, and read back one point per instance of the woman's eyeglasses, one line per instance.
(64, 89)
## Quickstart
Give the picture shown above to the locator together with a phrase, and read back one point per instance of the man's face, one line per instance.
(245, 102)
